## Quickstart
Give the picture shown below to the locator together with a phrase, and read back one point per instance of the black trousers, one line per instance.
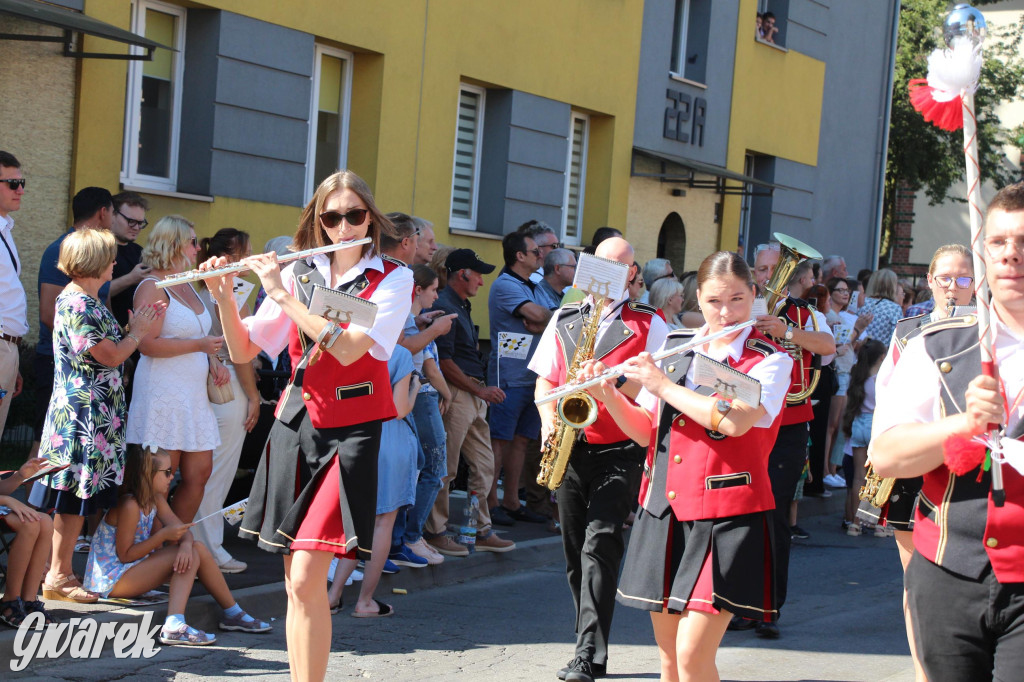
(785, 464)
(593, 502)
(819, 431)
(966, 629)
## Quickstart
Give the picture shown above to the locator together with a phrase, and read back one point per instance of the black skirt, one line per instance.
(315, 489)
(898, 512)
(711, 565)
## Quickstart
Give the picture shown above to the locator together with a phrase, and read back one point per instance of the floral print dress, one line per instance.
(85, 423)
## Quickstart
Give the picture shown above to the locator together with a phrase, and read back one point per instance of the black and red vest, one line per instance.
(956, 525)
(706, 474)
(623, 338)
(797, 313)
(906, 329)
(335, 395)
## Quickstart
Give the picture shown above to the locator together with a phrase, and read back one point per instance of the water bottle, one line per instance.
(467, 530)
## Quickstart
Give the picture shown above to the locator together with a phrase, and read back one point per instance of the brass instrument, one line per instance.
(792, 252)
(876, 490)
(576, 411)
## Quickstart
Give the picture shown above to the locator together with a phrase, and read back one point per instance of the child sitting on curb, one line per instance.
(140, 544)
(26, 561)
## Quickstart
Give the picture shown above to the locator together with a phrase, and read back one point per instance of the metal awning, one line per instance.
(74, 22)
(721, 175)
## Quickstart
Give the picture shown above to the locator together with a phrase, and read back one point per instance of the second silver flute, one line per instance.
(617, 370)
(235, 268)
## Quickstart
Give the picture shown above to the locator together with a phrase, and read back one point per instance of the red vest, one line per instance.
(956, 525)
(798, 317)
(624, 337)
(711, 476)
(337, 395)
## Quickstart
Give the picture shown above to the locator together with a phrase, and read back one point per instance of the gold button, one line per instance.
(671, 495)
(671, 368)
(304, 279)
(625, 332)
(677, 459)
(306, 396)
(571, 326)
(992, 542)
(681, 422)
(945, 367)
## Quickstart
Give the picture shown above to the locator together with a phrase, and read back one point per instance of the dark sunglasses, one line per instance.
(556, 245)
(195, 242)
(535, 252)
(355, 218)
(14, 183)
(168, 472)
(132, 222)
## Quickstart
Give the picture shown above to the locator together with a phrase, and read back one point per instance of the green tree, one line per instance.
(923, 157)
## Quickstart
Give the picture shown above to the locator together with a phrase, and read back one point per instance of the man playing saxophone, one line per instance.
(600, 483)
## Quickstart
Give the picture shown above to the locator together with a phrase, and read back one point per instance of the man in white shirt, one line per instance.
(13, 306)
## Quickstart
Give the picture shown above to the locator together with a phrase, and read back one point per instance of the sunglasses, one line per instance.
(837, 290)
(332, 219)
(15, 183)
(195, 242)
(945, 280)
(556, 245)
(132, 222)
(168, 472)
(535, 252)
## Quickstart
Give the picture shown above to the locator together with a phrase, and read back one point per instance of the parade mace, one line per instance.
(946, 99)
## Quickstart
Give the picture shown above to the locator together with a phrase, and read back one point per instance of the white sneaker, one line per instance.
(357, 576)
(834, 481)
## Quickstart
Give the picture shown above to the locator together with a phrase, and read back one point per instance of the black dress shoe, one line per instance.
(523, 514)
(596, 669)
(737, 623)
(767, 630)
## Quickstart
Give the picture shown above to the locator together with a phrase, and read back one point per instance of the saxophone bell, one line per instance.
(578, 410)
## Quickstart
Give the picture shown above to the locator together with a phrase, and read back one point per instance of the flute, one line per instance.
(617, 370)
(235, 268)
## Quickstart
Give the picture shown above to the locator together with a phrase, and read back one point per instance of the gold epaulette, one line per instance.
(639, 307)
(958, 322)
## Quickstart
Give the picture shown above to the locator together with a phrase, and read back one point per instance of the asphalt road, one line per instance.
(843, 622)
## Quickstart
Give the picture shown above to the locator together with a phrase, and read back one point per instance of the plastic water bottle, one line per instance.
(467, 530)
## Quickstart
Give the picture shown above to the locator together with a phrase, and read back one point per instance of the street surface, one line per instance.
(843, 622)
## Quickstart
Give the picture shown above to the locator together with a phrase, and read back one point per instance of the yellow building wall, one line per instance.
(410, 58)
(776, 109)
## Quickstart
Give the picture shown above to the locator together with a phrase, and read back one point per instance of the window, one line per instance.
(466, 171)
(153, 103)
(576, 179)
(690, 30)
(776, 32)
(329, 115)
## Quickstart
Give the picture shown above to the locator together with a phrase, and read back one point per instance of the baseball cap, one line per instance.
(466, 259)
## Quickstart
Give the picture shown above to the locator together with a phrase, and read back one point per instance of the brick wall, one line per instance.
(903, 235)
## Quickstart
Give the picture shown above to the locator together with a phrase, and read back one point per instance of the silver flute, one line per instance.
(617, 370)
(235, 268)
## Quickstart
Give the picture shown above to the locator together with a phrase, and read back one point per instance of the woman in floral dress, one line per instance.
(85, 423)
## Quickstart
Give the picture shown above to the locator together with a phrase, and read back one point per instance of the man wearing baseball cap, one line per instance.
(465, 421)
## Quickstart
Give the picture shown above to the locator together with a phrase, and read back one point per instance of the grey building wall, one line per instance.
(245, 108)
(654, 81)
(523, 161)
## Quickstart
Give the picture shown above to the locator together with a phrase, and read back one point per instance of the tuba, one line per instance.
(792, 252)
(575, 411)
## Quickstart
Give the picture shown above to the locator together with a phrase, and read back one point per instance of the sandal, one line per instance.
(39, 607)
(69, 589)
(336, 608)
(186, 635)
(12, 612)
(83, 544)
(383, 611)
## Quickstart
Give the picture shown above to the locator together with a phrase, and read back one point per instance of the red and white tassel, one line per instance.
(951, 73)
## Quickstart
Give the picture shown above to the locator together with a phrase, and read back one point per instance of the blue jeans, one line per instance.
(431, 432)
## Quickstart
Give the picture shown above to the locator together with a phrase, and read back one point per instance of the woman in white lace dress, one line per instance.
(170, 406)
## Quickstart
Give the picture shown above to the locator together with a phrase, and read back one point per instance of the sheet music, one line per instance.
(760, 307)
(341, 307)
(600, 277)
(726, 381)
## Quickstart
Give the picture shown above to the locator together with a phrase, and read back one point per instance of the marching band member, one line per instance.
(950, 277)
(595, 497)
(789, 454)
(701, 545)
(965, 581)
(315, 490)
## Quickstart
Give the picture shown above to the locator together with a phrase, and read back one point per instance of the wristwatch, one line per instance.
(721, 408)
(789, 333)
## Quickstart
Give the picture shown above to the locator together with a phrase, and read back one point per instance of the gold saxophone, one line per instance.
(575, 411)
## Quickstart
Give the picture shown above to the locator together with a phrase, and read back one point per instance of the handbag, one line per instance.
(218, 394)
